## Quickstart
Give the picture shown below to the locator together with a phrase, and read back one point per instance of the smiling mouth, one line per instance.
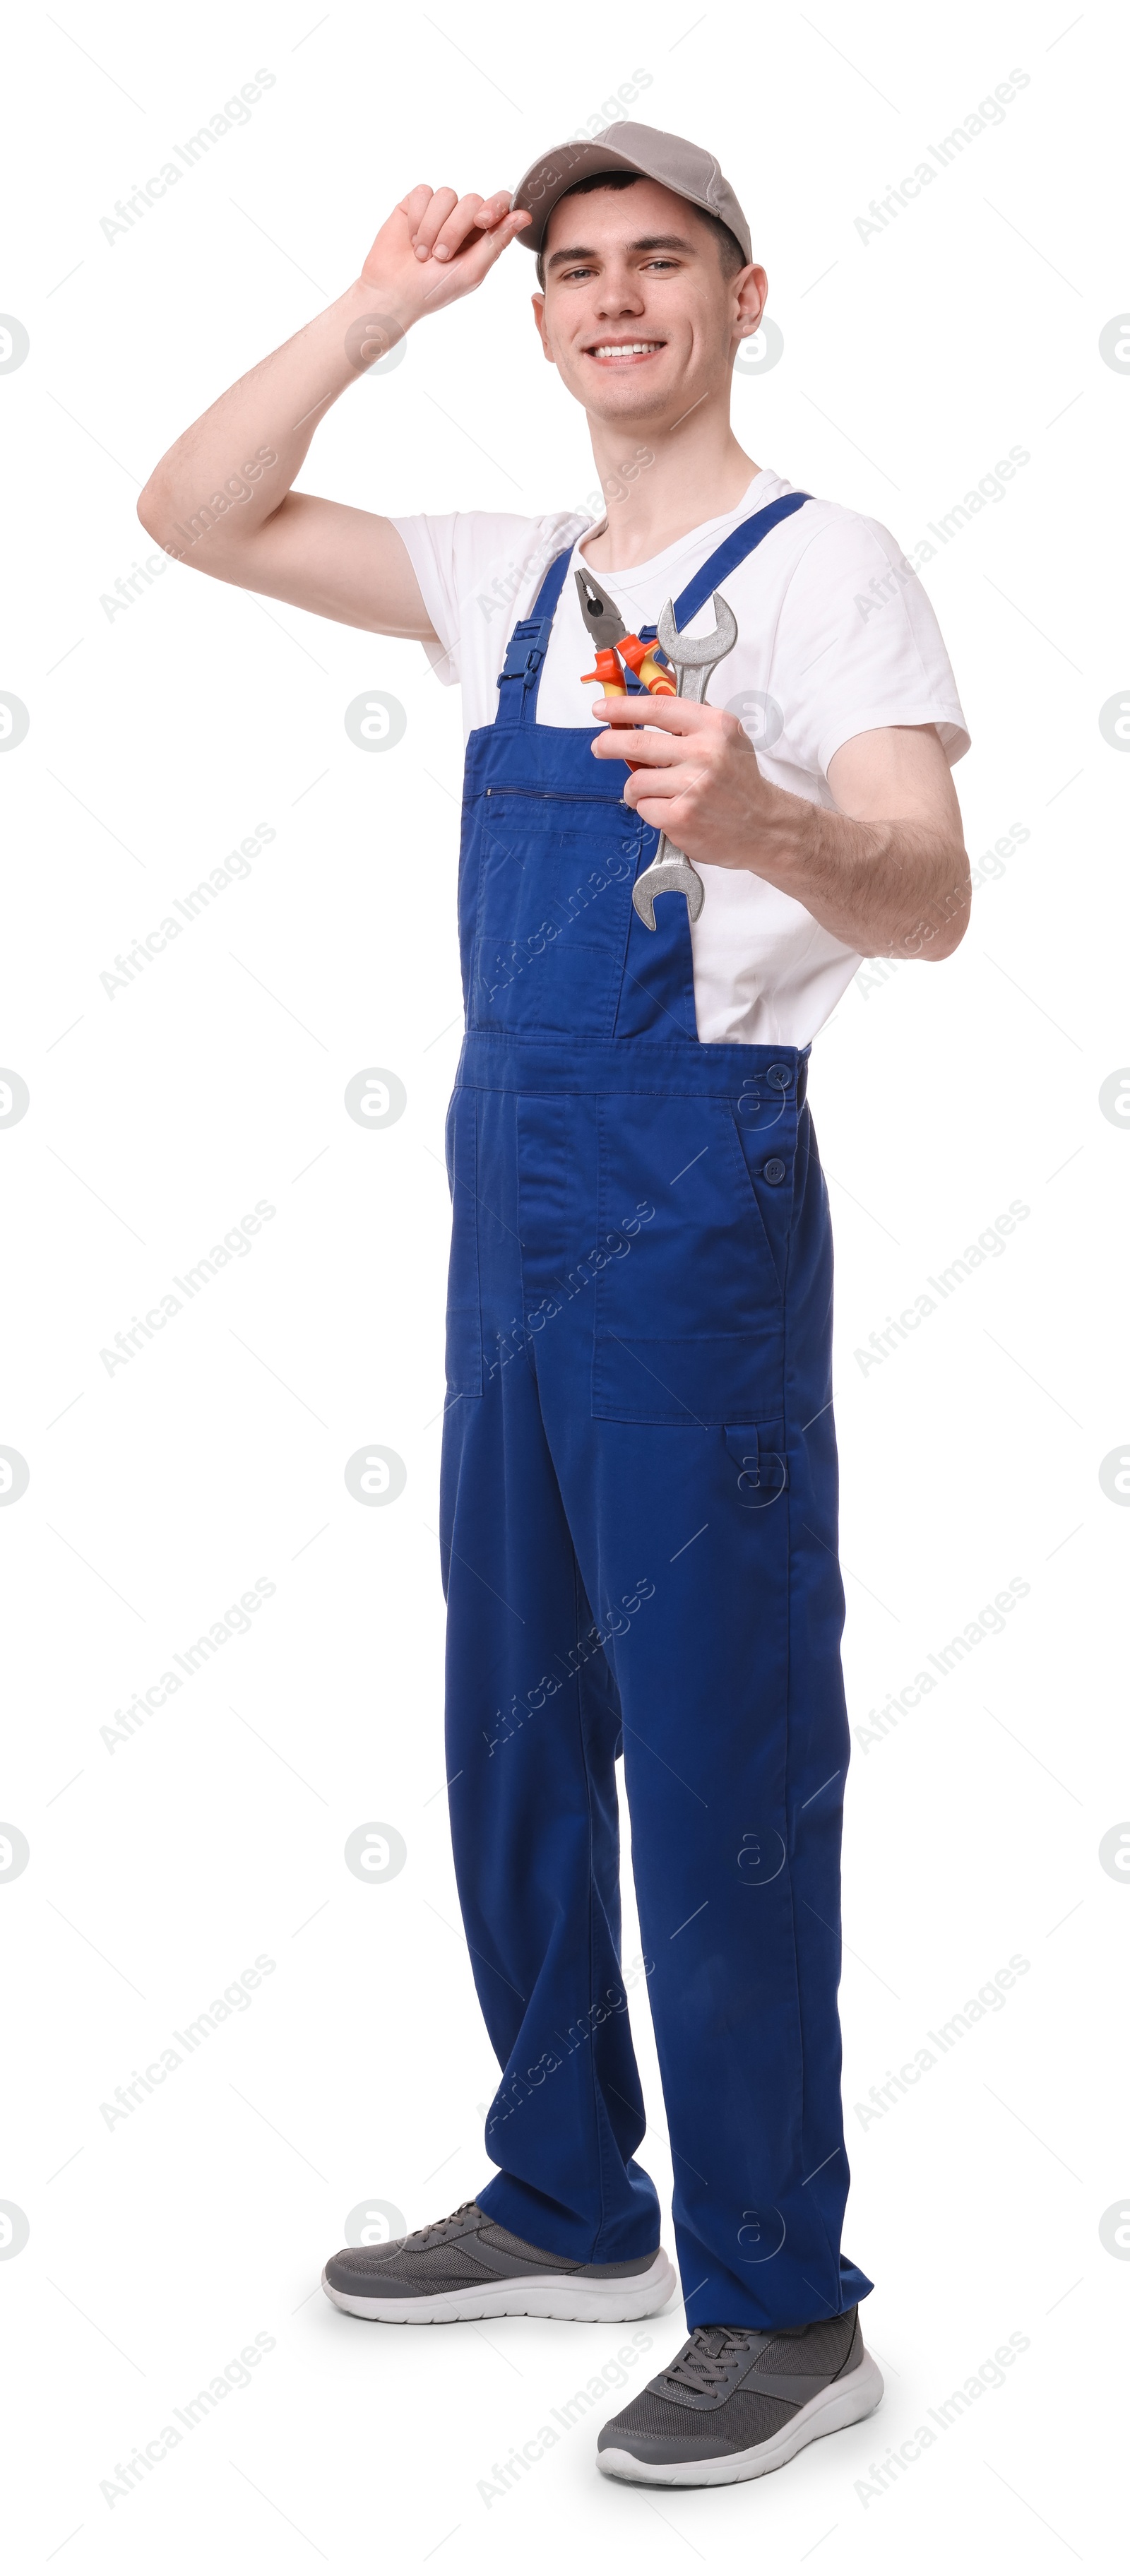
(624, 353)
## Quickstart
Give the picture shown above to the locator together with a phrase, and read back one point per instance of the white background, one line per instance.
(158, 738)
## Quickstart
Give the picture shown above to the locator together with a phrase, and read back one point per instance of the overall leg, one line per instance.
(532, 1735)
(736, 1746)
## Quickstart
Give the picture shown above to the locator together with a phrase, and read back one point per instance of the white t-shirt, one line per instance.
(835, 637)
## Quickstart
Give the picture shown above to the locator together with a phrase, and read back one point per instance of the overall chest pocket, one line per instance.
(551, 917)
(690, 1327)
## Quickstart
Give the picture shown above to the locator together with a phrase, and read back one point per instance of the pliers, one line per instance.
(611, 636)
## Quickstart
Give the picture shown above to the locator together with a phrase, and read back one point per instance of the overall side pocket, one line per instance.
(768, 1156)
(464, 1319)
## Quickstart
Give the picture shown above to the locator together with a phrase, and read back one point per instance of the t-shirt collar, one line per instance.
(685, 544)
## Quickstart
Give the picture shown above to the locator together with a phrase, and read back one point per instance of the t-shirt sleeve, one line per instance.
(475, 564)
(862, 646)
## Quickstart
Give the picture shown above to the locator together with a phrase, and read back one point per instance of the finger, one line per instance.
(659, 786)
(658, 817)
(435, 214)
(484, 247)
(654, 751)
(507, 226)
(672, 715)
(493, 208)
(414, 203)
(667, 790)
(461, 222)
(471, 216)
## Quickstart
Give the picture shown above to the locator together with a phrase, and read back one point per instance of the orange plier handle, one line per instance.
(608, 673)
(640, 659)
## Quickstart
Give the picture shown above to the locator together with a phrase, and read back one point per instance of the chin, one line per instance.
(619, 397)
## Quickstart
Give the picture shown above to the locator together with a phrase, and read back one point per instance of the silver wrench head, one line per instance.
(699, 652)
(668, 876)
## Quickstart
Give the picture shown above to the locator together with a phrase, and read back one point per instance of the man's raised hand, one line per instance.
(338, 562)
(436, 246)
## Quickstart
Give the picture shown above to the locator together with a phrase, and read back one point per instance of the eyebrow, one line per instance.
(650, 241)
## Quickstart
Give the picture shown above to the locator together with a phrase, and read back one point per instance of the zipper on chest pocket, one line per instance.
(555, 796)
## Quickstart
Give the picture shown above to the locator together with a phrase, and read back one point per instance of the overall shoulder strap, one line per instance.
(520, 676)
(733, 551)
(725, 559)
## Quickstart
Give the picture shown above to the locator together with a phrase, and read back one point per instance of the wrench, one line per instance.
(693, 658)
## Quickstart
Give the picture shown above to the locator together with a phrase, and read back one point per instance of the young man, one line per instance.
(639, 1480)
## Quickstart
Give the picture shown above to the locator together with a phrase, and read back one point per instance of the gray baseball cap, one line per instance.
(684, 167)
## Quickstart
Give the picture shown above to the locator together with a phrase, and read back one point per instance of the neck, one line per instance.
(695, 469)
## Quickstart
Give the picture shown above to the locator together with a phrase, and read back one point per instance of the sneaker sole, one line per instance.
(544, 2294)
(844, 2402)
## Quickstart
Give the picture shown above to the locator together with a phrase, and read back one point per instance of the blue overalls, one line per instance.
(638, 1529)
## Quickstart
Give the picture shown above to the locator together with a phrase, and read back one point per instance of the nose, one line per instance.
(619, 292)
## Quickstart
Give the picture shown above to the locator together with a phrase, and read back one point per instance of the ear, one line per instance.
(538, 303)
(750, 288)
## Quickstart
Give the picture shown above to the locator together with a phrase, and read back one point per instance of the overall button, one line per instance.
(780, 1076)
(774, 1171)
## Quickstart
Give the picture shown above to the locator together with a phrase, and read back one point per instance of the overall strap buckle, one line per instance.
(526, 651)
(525, 654)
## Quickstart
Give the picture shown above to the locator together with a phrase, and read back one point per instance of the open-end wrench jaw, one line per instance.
(672, 875)
(697, 655)
(693, 658)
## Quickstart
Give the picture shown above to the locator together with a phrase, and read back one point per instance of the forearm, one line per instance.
(228, 473)
(221, 500)
(886, 889)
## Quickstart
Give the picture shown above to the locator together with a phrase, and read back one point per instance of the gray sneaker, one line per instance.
(735, 2403)
(466, 2266)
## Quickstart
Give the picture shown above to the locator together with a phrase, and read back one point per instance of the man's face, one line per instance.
(637, 315)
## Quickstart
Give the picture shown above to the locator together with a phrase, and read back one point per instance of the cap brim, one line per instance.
(552, 177)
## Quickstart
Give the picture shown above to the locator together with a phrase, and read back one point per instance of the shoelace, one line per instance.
(703, 2365)
(432, 2234)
